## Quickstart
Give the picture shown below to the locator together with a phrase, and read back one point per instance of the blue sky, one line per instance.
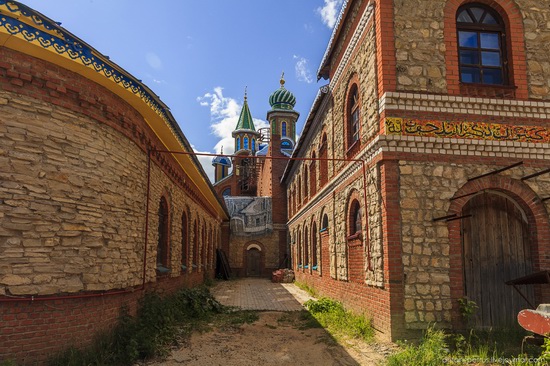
(199, 55)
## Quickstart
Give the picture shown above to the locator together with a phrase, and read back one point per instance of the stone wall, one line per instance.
(422, 63)
(67, 223)
(426, 189)
(270, 251)
(73, 188)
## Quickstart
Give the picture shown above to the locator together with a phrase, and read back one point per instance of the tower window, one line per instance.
(245, 143)
(481, 40)
(253, 144)
(283, 129)
(238, 143)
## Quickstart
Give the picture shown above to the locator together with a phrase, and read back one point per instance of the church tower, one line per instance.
(245, 135)
(282, 120)
(282, 124)
(246, 144)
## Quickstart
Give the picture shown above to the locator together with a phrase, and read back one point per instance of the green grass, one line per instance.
(495, 347)
(304, 286)
(338, 321)
(159, 323)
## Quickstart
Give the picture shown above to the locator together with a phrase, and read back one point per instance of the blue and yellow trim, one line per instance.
(30, 32)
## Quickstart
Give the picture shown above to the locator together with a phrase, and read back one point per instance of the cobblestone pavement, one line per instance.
(260, 294)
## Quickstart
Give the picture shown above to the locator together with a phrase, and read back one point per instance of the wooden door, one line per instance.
(253, 262)
(496, 249)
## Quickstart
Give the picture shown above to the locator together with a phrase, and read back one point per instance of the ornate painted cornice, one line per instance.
(19, 23)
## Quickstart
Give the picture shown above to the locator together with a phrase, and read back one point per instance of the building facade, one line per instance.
(93, 209)
(256, 238)
(435, 123)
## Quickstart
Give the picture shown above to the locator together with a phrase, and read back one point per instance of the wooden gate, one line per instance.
(253, 262)
(496, 249)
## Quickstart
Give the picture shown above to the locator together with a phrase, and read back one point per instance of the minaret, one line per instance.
(282, 119)
(245, 135)
(221, 166)
(246, 144)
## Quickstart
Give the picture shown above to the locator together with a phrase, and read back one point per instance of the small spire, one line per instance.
(245, 93)
(282, 80)
(221, 151)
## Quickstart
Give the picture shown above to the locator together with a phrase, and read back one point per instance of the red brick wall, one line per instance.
(32, 331)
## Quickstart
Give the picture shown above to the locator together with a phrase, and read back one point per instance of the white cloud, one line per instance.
(329, 12)
(224, 115)
(206, 162)
(153, 60)
(302, 71)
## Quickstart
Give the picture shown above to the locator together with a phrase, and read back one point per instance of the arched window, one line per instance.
(354, 220)
(481, 45)
(323, 163)
(203, 246)
(196, 246)
(238, 143)
(245, 143)
(184, 241)
(353, 115)
(314, 263)
(283, 129)
(163, 235)
(299, 250)
(324, 223)
(305, 184)
(306, 248)
(299, 197)
(253, 145)
(226, 192)
(313, 175)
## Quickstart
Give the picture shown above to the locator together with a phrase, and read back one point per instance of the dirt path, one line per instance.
(283, 334)
(276, 338)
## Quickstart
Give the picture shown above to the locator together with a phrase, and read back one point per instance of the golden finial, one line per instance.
(282, 80)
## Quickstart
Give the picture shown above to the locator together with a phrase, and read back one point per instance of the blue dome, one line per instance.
(221, 160)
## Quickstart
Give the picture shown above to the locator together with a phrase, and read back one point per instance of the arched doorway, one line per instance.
(253, 261)
(496, 248)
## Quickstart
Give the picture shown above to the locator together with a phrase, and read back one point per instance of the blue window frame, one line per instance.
(482, 56)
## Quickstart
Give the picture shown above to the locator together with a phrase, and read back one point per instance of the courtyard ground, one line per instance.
(282, 334)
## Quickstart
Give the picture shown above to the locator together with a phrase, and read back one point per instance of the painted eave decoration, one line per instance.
(28, 31)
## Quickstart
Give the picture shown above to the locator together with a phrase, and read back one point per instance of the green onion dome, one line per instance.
(282, 98)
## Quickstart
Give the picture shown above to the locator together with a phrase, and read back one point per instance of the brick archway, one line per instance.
(537, 217)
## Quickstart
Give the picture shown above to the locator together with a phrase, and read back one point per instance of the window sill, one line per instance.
(487, 90)
(163, 271)
(184, 267)
(314, 268)
(354, 148)
(355, 240)
(306, 266)
(299, 266)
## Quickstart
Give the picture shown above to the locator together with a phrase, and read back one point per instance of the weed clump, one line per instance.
(432, 351)
(158, 322)
(338, 321)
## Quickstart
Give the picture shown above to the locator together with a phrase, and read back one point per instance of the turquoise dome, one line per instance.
(282, 98)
